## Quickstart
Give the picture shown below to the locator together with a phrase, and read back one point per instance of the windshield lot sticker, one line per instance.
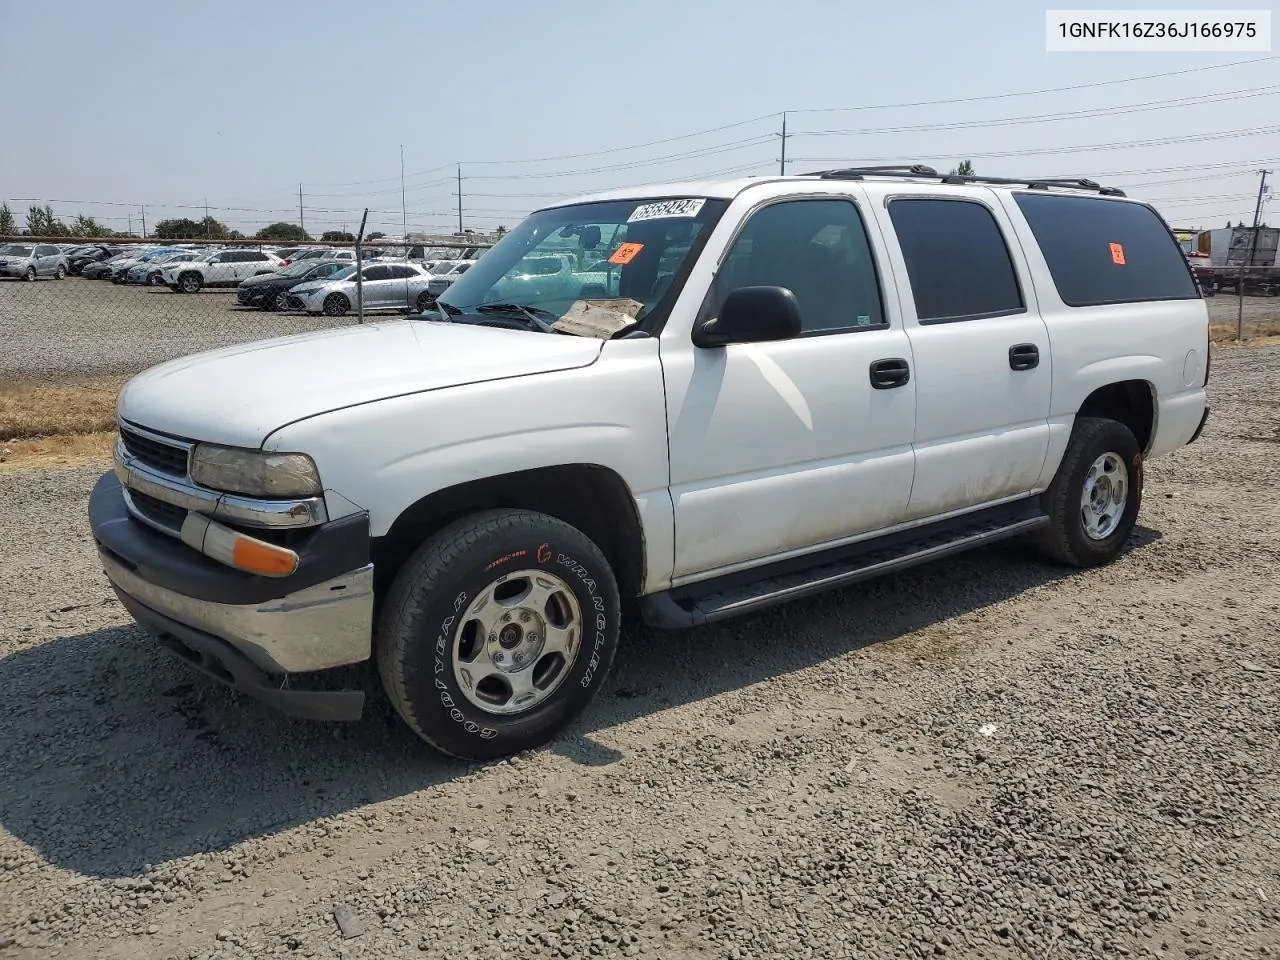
(626, 253)
(667, 208)
(1117, 254)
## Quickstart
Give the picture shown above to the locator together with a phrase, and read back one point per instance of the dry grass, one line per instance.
(61, 452)
(40, 408)
(1255, 332)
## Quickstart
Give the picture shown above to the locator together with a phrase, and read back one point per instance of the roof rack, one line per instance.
(920, 171)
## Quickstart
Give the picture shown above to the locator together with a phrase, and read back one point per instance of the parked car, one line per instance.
(29, 261)
(122, 267)
(102, 269)
(270, 291)
(443, 274)
(81, 257)
(386, 286)
(806, 382)
(226, 268)
(149, 272)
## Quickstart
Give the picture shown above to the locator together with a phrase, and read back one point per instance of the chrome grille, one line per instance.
(163, 457)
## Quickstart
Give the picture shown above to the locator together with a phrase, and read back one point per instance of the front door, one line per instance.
(783, 447)
(981, 351)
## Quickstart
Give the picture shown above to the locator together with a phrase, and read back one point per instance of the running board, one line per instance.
(754, 590)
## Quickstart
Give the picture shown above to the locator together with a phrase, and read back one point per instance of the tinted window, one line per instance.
(377, 273)
(957, 260)
(1107, 251)
(252, 257)
(818, 250)
(46, 251)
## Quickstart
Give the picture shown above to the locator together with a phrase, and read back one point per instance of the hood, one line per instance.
(239, 395)
(259, 279)
(311, 286)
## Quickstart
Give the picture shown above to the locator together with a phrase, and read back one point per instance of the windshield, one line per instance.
(330, 269)
(346, 273)
(546, 263)
(298, 269)
(16, 250)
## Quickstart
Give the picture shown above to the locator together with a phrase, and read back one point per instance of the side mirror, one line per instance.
(751, 315)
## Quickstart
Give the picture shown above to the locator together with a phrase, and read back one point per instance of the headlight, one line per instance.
(255, 473)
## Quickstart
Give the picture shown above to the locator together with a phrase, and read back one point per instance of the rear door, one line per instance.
(982, 366)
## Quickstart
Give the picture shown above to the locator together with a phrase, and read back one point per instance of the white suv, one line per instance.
(764, 388)
(226, 268)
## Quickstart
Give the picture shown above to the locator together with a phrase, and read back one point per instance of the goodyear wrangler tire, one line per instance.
(497, 633)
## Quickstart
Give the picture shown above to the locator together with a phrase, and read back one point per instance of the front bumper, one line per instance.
(246, 631)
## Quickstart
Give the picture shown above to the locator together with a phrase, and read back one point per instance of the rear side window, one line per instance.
(957, 260)
(1107, 251)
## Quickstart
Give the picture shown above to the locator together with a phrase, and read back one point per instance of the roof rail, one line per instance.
(920, 171)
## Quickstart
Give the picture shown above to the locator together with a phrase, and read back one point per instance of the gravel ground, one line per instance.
(985, 757)
(92, 326)
(54, 329)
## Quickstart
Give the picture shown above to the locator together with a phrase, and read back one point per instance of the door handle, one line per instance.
(887, 374)
(1024, 356)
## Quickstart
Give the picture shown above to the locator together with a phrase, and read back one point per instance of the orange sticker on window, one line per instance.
(626, 253)
(1117, 254)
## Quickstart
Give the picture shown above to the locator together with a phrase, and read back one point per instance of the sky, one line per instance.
(238, 105)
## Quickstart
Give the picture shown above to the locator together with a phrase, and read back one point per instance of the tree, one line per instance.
(337, 236)
(500, 232)
(282, 231)
(88, 227)
(375, 236)
(184, 228)
(41, 222)
(965, 169)
(8, 226)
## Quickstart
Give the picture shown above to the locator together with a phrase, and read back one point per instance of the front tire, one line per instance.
(336, 304)
(497, 633)
(1094, 499)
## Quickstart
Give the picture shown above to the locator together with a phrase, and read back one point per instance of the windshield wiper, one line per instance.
(529, 313)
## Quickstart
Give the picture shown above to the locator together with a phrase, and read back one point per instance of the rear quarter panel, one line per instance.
(1162, 343)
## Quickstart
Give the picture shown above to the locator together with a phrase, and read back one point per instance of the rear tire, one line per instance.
(60, 273)
(1094, 499)
(30, 275)
(190, 283)
(497, 633)
(425, 301)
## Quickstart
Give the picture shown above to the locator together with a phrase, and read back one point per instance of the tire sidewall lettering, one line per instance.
(596, 630)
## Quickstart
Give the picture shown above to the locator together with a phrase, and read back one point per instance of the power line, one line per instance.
(1050, 117)
(1040, 92)
(1082, 148)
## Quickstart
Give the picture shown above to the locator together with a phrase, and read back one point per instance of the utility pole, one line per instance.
(208, 228)
(302, 224)
(459, 199)
(144, 221)
(404, 217)
(783, 170)
(1248, 260)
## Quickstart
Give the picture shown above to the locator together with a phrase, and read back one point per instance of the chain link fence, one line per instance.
(76, 322)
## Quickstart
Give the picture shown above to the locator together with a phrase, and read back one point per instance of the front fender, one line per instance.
(383, 457)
